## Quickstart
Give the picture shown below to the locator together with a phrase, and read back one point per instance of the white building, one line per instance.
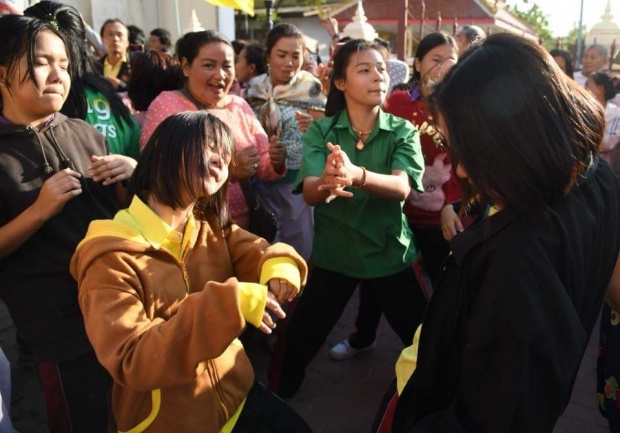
(606, 32)
(174, 15)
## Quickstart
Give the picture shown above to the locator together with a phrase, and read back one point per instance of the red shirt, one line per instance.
(440, 182)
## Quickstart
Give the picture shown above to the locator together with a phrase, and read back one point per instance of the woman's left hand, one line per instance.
(336, 174)
(282, 289)
(277, 154)
(274, 306)
(111, 169)
(303, 120)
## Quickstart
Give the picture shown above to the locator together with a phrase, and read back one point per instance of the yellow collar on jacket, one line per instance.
(139, 223)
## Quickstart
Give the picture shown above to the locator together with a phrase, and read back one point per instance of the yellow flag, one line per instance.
(246, 6)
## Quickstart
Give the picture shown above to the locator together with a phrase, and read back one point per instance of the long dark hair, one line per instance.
(82, 67)
(255, 55)
(568, 60)
(152, 72)
(175, 159)
(19, 38)
(604, 80)
(522, 132)
(335, 99)
(428, 42)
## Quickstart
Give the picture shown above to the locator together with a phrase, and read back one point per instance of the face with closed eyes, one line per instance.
(211, 74)
(217, 165)
(32, 102)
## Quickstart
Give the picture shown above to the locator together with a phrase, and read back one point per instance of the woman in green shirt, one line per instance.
(359, 165)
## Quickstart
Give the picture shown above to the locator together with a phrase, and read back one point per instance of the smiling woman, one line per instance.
(172, 277)
(207, 61)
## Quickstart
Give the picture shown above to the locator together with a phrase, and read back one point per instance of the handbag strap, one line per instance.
(249, 193)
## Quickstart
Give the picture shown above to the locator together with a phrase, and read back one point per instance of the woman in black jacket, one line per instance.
(515, 304)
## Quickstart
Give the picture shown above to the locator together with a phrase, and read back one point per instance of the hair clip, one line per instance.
(52, 21)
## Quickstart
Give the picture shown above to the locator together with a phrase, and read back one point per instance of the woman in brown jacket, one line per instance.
(168, 285)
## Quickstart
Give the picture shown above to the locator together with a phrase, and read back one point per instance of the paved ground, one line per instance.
(337, 397)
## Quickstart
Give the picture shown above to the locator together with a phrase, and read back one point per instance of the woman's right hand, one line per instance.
(450, 222)
(272, 305)
(57, 191)
(335, 174)
(303, 120)
(246, 163)
(323, 73)
(277, 154)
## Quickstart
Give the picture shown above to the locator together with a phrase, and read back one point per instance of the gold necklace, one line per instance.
(360, 143)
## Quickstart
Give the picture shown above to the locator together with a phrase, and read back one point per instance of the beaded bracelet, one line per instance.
(363, 181)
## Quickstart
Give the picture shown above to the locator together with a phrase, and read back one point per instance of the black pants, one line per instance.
(76, 395)
(433, 247)
(265, 412)
(321, 305)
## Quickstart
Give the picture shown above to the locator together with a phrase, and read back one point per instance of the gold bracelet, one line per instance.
(363, 181)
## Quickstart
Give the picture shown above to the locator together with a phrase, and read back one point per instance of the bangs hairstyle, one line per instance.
(335, 99)
(428, 42)
(19, 35)
(176, 159)
(522, 131)
(82, 67)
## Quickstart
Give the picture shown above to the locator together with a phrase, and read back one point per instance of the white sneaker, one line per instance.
(343, 350)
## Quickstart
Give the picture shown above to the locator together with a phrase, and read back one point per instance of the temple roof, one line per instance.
(478, 12)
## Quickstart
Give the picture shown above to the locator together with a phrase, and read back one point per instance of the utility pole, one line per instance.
(579, 39)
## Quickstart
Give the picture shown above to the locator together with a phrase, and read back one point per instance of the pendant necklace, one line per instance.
(360, 143)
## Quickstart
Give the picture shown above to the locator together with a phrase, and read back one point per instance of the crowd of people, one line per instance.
(475, 205)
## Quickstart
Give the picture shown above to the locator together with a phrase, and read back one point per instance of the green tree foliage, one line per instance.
(569, 42)
(535, 18)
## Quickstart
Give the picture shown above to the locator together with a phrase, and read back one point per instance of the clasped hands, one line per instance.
(279, 290)
(339, 173)
(247, 160)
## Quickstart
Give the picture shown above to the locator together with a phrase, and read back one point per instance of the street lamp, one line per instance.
(268, 9)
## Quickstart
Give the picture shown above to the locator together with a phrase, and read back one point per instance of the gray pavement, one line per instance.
(336, 397)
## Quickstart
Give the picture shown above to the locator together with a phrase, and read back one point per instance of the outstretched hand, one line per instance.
(268, 325)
